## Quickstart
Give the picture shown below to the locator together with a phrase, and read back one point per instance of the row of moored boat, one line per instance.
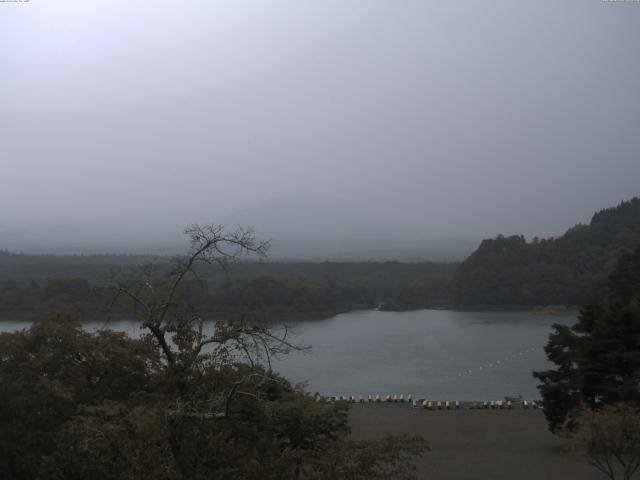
(433, 404)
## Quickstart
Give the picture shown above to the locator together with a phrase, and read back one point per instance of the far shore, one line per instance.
(272, 317)
(284, 316)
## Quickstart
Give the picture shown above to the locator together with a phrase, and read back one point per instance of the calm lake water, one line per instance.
(435, 354)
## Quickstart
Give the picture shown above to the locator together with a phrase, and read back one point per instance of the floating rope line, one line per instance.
(499, 362)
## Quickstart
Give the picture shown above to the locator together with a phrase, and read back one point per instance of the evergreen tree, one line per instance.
(571, 269)
(598, 358)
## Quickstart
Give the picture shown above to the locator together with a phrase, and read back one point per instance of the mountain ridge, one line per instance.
(568, 269)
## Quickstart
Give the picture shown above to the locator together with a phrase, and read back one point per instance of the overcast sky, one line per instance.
(464, 117)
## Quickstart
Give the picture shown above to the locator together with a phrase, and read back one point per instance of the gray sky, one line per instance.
(453, 117)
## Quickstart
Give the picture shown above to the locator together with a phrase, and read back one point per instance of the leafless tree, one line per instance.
(177, 327)
(610, 438)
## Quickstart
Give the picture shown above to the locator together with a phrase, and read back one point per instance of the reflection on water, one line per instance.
(426, 353)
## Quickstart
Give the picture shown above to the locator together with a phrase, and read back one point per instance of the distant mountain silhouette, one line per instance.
(308, 227)
(301, 228)
(306, 215)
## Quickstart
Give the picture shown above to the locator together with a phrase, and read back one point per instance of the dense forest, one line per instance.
(33, 285)
(506, 271)
(22, 266)
(268, 296)
(571, 269)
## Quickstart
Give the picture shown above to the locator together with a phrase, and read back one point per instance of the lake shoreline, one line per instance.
(270, 318)
(283, 317)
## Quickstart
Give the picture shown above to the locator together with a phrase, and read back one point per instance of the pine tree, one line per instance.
(598, 358)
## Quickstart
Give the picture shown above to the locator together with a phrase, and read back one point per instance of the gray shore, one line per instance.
(476, 444)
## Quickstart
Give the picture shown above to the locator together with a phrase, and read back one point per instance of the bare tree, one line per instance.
(610, 438)
(177, 327)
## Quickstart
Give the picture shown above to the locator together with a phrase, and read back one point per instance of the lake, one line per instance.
(438, 354)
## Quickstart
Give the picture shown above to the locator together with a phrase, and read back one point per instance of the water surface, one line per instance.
(426, 353)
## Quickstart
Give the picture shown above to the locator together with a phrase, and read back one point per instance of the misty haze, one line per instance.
(319, 240)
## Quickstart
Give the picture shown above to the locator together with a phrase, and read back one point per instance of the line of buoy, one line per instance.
(498, 362)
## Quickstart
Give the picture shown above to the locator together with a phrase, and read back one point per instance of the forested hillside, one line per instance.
(506, 271)
(34, 285)
(571, 269)
(266, 296)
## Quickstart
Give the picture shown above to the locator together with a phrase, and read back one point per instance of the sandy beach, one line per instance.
(476, 444)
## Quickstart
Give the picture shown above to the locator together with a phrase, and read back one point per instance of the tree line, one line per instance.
(269, 296)
(276, 289)
(570, 269)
